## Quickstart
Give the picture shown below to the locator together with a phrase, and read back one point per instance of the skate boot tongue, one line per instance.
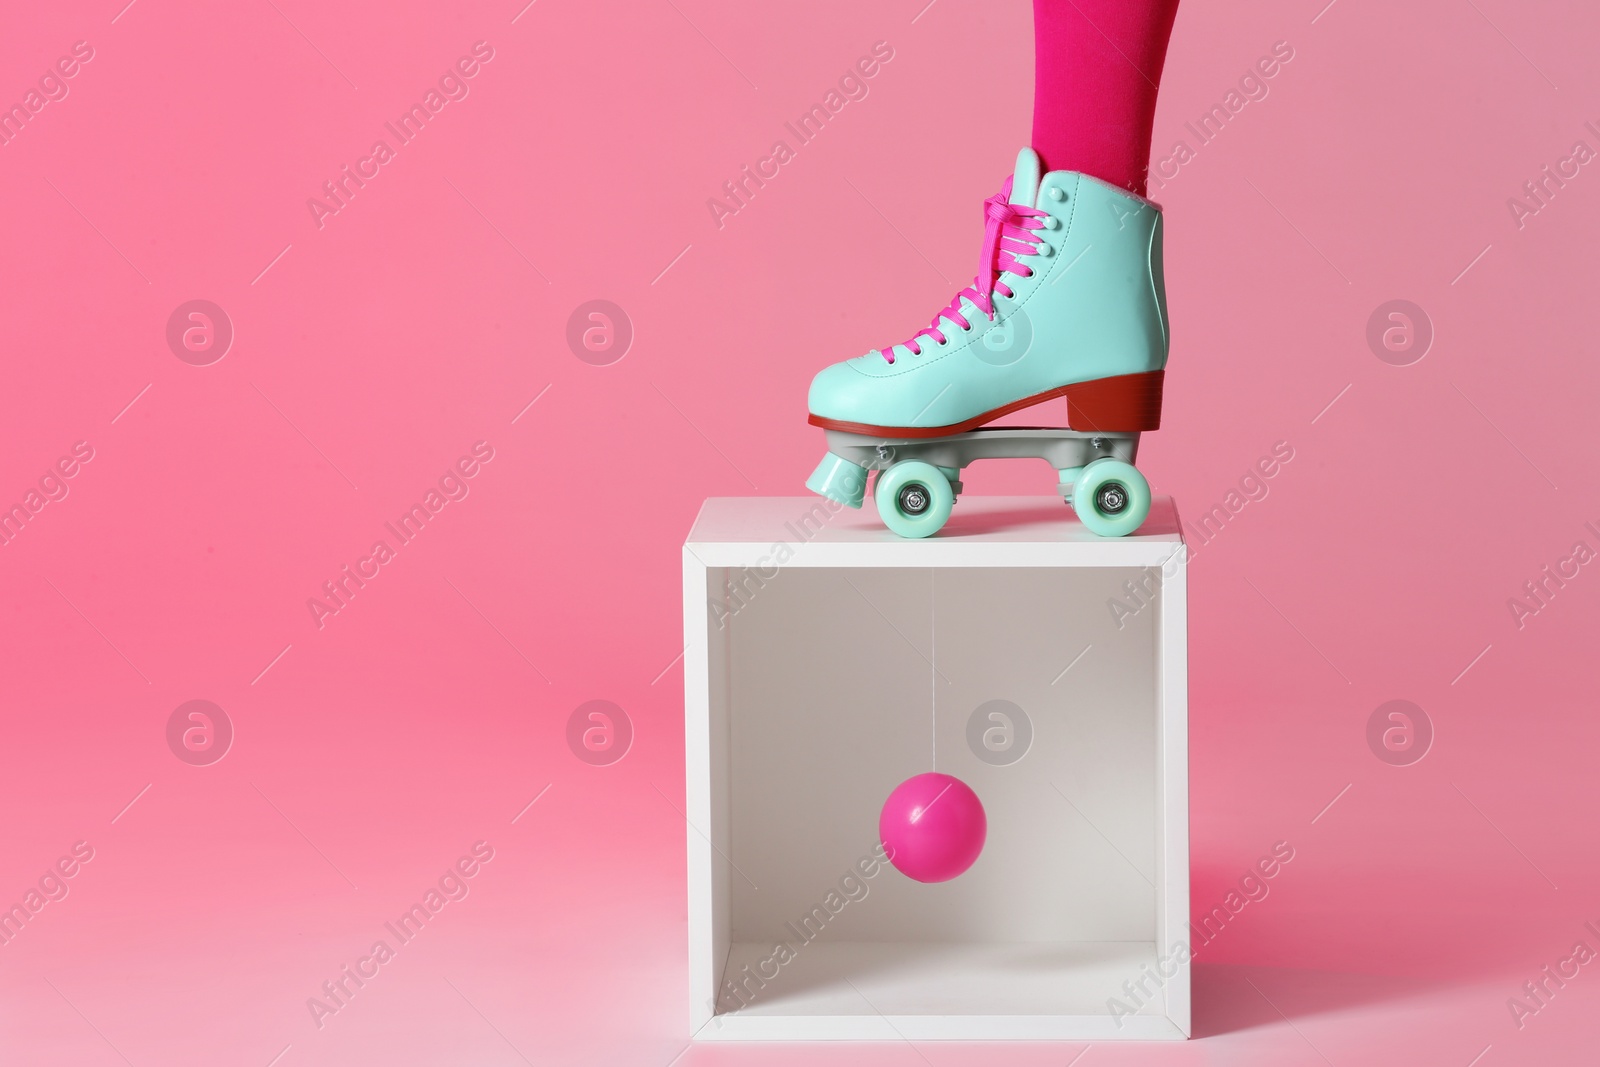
(1009, 215)
(1025, 179)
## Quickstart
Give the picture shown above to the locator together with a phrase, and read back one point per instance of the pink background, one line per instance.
(372, 352)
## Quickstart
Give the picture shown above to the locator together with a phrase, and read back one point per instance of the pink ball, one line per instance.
(933, 827)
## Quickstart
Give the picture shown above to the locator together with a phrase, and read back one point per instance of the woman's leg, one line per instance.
(1096, 337)
(1096, 67)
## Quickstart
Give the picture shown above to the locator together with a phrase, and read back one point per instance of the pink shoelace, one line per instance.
(1005, 237)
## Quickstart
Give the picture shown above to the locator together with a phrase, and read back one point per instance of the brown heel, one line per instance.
(1124, 404)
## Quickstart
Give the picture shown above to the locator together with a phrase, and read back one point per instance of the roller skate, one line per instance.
(1069, 303)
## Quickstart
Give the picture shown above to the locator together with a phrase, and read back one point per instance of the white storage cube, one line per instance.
(827, 661)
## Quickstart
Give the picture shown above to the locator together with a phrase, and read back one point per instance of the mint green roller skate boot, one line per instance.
(1069, 302)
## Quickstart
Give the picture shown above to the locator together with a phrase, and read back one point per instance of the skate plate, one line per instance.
(1062, 449)
(919, 479)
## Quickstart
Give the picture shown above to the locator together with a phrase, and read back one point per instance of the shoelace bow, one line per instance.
(1005, 237)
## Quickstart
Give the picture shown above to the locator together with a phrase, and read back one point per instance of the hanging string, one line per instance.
(933, 663)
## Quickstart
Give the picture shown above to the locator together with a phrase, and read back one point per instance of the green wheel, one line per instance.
(1111, 497)
(914, 498)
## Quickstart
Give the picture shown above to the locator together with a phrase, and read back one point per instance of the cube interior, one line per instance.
(1041, 688)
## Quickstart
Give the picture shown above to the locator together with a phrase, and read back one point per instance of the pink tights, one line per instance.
(1096, 67)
